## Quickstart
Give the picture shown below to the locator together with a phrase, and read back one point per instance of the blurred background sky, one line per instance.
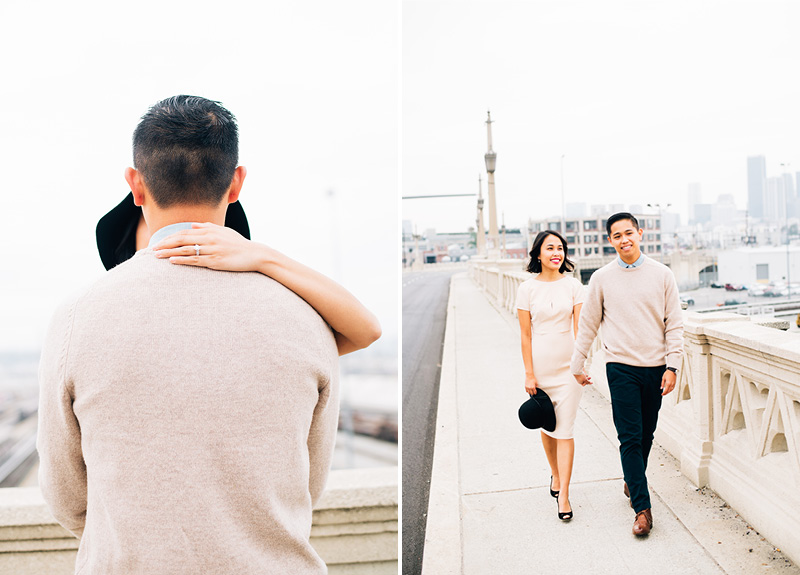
(313, 84)
(641, 98)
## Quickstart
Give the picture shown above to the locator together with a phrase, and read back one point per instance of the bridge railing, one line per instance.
(500, 280)
(733, 420)
(354, 527)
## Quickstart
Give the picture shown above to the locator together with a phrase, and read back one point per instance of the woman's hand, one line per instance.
(221, 248)
(531, 384)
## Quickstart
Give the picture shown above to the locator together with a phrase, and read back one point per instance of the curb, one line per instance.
(442, 550)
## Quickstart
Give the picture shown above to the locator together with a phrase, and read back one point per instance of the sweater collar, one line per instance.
(168, 231)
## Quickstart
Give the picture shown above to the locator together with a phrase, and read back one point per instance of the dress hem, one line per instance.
(550, 434)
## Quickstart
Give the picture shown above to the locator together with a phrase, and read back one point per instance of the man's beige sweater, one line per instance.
(186, 422)
(640, 313)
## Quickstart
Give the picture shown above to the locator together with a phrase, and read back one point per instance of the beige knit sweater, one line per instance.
(186, 422)
(640, 313)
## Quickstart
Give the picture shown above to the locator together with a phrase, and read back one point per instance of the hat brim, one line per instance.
(116, 231)
(538, 412)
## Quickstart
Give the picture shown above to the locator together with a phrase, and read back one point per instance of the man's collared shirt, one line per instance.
(168, 231)
(622, 264)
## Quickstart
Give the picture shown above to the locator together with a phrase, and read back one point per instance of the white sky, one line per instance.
(313, 84)
(642, 97)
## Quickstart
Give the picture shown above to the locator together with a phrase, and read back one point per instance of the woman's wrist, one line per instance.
(268, 260)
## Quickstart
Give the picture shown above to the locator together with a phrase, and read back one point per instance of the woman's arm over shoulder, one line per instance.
(222, 248)
(354, 326)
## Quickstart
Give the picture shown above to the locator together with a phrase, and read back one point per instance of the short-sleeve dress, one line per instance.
(552, 339)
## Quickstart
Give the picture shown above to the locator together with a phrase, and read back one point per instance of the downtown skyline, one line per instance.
(640, 103)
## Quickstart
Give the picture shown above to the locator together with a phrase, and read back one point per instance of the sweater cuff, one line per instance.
(576, 365)
(674, 360)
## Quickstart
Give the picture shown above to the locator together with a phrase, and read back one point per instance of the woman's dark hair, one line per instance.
(535, 266)
(186, 148)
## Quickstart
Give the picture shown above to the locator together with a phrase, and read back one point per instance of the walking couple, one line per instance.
(635, 300)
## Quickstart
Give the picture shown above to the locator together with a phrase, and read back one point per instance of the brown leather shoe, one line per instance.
(643, 523)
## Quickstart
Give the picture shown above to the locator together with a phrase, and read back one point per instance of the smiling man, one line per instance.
(635, 300)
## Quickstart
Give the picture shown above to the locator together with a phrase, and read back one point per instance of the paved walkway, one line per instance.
(490, 511)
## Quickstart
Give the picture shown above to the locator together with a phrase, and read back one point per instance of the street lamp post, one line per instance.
(491, 160)
(417, 265)
(786, 219)
(563, 205)
(660, 228)
(503, 252)
(480, 243)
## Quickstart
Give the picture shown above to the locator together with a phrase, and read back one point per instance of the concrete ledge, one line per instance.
(762, 488)
(354, 527)
(375, 568)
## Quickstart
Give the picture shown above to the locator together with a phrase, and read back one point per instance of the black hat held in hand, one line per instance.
(538, 412)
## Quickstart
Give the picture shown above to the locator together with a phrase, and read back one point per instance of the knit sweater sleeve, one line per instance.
(322, 435)
(591, 316)
(673, 323)
(62, 470)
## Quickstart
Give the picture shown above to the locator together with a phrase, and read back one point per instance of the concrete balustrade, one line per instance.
(500, 280)
(354, 528)
(733, 420)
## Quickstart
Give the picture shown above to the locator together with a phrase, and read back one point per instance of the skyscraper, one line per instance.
(775, 199)
(694, 196)
(756, 178)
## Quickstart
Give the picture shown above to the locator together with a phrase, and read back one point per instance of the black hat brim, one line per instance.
(116, 231)
(538, 412)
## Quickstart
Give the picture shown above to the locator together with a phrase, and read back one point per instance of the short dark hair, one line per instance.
(535, 266)
(621, 216)
(186, 149)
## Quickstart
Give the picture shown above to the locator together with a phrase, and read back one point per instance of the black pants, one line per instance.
(635, 401)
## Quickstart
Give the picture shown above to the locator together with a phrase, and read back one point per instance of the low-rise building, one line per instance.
(751, 266)
(587, 236)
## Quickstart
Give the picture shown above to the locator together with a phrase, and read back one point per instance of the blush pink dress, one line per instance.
(552, 339)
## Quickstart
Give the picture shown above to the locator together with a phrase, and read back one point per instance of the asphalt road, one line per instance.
(424, 312)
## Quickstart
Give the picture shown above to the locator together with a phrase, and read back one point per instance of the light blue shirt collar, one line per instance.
(168, 231)
(635, 264)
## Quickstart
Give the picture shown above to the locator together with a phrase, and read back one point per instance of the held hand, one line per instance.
(668, 382)
(582, 378)
(531, 384)
(221, 248)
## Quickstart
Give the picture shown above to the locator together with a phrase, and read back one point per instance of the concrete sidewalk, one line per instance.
(490, 511)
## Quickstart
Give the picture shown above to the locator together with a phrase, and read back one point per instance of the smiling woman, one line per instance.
(548, 307)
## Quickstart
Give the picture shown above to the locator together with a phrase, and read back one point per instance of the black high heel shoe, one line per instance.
(567, 515)
(552, 493)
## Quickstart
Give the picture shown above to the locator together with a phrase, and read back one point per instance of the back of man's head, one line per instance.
(186, 149)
